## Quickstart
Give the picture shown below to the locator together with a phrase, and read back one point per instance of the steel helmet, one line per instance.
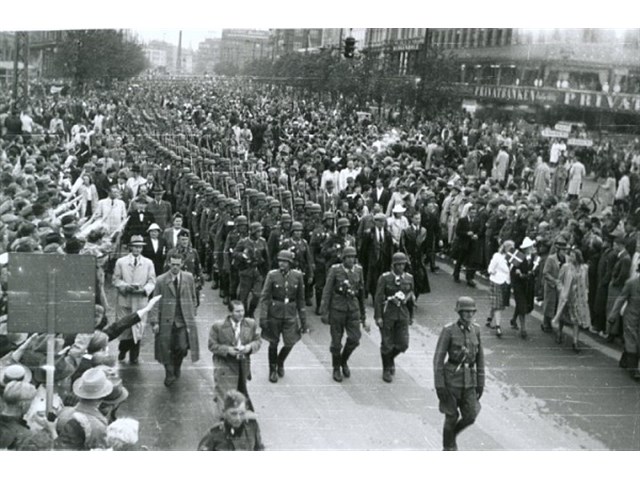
(343, 222)
(349, 251)
(328, 216)
(285, 255)
(286, 218)
(255, 226)
(274, 203)
(298, 201)
(398, 257)
(315, 208)
(241, 220)
(296, 226)
(466, 304)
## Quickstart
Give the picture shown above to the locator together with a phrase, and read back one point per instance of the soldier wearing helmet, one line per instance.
(302, 259)
(271, 218)
(240, 230)
(343, 309)
(251, 259)
(458, 367)
(282, 312)
(393, 310)
(318, 237)
(336, 243)
(278, 234)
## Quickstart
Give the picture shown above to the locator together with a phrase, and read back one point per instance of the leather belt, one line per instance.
(462, 364)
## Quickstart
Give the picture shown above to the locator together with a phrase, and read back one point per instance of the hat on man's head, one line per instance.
(379, 217)
(398, 209)
(136, 241)
(13, 373)
(92, 385)
(154, 226)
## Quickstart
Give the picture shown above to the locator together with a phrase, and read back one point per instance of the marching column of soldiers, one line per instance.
(269, 246)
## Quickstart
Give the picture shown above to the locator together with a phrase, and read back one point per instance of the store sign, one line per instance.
(579, 142)
(608, 101)
(549, 133)
(597, 100)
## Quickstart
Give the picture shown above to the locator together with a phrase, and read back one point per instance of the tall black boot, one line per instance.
(134, 352)
(346, 353)
(273, 362)
(282, 356)
(392, 357)
(335, 362)
(386, 368)
(632, 365)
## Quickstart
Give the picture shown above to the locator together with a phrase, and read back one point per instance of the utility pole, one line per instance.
(21, 68)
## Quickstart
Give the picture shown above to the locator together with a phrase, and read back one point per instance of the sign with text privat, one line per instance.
(49, 286)
(618, 102)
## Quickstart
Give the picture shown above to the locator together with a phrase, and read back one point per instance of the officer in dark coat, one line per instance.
(282, 312)
(377, 249)
(302, 258)
(459, 381)
(393, 311)
(343, 309)
(318, 237)
(238, 430)
(465, 247)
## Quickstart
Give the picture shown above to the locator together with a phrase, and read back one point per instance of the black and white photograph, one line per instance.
(237, 237)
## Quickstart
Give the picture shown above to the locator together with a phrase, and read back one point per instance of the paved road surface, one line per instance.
(539, 396)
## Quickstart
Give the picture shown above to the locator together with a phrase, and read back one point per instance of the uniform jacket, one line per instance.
(462, 348)
(282, 296)
(168, 237)
(343, 291)
(125, 273)
(163, 314)
(221, 437)
(222, 343)
(303, 259)
(250, 256)
(389, 309)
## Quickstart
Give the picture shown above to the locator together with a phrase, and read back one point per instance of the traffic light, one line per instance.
(349, 47)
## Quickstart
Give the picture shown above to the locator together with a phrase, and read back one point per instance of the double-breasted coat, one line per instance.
(164, 312)
(128, 273)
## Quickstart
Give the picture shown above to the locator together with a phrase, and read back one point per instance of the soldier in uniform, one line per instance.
(393, 310)
(460, 380)
(318, 237)
(282, 312)
(302, 258)
(277, 237)
(343, 309)
(191, 260)
(336, 243)
(238, 429)
(251, 259)
(271, 218)
(240, 230)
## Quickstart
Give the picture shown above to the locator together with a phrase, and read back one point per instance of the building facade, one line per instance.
(239, 47)
(207, 56)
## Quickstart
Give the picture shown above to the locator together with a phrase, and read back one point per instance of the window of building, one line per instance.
(489, 37)
(498, 37)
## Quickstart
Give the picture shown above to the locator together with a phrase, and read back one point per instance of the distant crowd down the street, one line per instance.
(226, 179)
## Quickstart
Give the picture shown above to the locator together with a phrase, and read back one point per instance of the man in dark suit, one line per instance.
(139, 220)
(377, 246)
(365, 177)
(381, 195)
(173, 322)
(155, 249)
(412, 243)
(104, 182)
(159, 208)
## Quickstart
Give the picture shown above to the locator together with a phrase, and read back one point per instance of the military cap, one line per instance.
(343, 222)
(255, 226)
(465, 304)
(286, 218)
(398, 257)
(286, 255)
(349, 251)
(241, 220)
(296, 226)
